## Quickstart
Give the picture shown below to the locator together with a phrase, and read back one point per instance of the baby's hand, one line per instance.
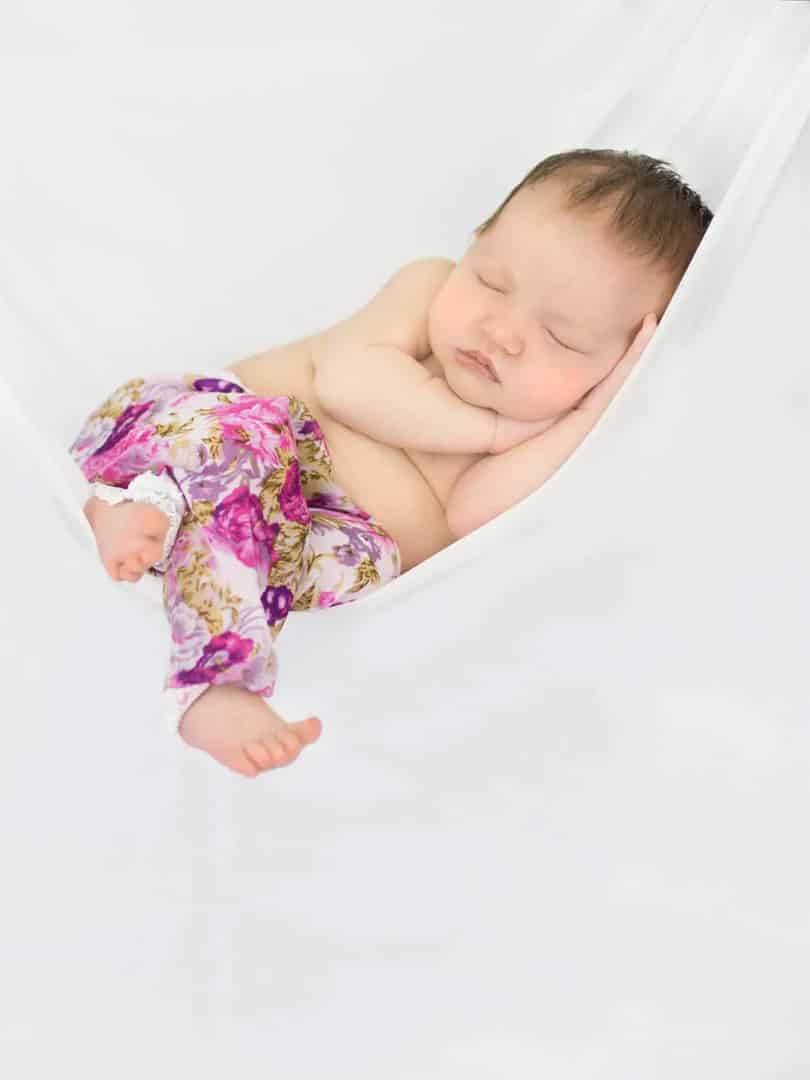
(588, 409)
(509, 432)
(129, 536)
(594, 403)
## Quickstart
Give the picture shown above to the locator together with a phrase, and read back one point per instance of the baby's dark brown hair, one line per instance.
(655, 214)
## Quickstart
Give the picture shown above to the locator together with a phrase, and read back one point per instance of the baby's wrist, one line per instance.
(496, 445)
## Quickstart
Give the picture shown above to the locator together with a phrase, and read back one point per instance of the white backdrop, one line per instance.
(553, 827)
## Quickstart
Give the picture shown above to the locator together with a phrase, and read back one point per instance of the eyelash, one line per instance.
(560, 343)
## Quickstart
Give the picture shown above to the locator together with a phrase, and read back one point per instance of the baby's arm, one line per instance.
(367, 374)
(384, 393)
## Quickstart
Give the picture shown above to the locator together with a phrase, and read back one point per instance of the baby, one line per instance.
(314, 473)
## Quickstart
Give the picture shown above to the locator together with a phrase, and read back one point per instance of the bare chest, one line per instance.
(406, 491)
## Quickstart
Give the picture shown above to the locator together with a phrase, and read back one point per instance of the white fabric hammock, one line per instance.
(554, 824)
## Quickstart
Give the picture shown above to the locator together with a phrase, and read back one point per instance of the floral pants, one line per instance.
(266, 530)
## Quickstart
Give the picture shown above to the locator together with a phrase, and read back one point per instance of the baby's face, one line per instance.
(549, 300)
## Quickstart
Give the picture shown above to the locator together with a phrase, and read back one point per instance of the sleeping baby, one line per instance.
(315, 473)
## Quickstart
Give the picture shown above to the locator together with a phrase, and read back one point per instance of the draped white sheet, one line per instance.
(554, 825)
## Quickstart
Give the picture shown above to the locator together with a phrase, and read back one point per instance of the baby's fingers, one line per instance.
(132, 576)
(118, 571)
(646, 331)
(596, 400)
(635, 348)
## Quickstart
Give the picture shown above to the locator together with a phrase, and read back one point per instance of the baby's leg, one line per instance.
(234, 566)
(224, 617)
(234, 725)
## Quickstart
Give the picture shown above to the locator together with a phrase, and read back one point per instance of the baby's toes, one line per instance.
(291, 742)
(271, 752)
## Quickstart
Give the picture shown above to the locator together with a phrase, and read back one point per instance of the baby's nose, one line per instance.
(505, 341)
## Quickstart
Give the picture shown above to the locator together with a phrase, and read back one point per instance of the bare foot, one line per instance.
(129, 536)
(240, 730)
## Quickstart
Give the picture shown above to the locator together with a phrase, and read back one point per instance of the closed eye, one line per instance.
(569, 347)
(489, 285)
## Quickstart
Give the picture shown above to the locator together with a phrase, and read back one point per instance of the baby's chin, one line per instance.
(474, 390)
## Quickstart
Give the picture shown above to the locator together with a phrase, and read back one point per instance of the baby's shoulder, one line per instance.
(397, 315)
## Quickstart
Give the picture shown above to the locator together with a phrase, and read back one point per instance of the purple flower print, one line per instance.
(222, 652)
(124, 424)
(346, 555)
(291, 498)
(239, 521)
(276, 601)
(313, 428)
(360, 544)
(217, 386)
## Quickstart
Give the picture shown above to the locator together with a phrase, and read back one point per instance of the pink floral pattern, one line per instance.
(267, 529)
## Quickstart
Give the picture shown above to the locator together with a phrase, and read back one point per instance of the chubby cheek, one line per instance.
(449, 320)
(554, 392)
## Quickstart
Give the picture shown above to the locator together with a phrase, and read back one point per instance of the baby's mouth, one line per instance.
(483, 363)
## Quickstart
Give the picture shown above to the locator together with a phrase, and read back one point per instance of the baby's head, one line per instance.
(558, 280)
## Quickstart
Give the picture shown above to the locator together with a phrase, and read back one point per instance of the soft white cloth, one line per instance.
(555, 822)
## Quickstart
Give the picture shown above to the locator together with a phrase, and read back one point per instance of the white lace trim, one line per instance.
(160, 491)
